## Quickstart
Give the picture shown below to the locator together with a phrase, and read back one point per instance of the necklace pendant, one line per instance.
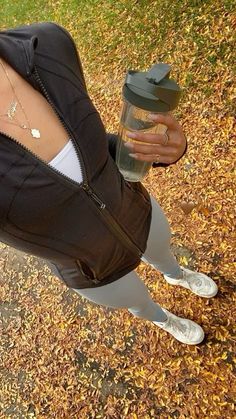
(12, 110)
(35, 133)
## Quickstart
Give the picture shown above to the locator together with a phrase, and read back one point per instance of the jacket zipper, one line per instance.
(113, 224)
(85, 186)
(45, 93)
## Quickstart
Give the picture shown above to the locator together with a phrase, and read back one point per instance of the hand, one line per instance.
(159, 148)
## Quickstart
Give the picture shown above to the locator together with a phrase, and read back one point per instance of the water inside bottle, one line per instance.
(133, 170)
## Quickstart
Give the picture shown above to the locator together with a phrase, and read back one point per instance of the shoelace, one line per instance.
(177, 325)
(196, 281)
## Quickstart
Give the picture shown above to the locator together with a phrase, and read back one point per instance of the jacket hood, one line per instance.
(20, 42)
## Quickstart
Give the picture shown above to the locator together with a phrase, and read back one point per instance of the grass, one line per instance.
(195, 36)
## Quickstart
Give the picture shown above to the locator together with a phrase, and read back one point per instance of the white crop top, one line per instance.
(66, 161)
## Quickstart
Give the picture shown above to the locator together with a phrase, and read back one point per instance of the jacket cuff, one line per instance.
(112, 141)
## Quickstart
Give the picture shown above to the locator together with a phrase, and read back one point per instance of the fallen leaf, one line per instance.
(187, 207)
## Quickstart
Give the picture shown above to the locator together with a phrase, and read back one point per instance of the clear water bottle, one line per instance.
(143, 93)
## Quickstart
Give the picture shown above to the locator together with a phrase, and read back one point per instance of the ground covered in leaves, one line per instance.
(62, 357)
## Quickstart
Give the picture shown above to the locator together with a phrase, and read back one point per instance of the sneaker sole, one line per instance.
(200, 340)
(197, 342)
(213, 294)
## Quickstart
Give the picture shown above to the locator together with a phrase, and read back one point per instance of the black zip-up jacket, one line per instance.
(90, 233)
(94, 232)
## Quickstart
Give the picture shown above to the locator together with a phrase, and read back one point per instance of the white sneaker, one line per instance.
(184, 330)
(197, 282)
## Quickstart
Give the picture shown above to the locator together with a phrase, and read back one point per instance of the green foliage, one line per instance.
(195, 36)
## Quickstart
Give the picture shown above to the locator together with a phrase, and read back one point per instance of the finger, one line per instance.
(162, 150)
(147, 138)
(167, 119)
(152, 158)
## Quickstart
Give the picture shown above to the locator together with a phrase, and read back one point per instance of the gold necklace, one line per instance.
(10, 114)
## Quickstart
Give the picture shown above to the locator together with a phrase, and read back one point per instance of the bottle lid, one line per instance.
(152, 90)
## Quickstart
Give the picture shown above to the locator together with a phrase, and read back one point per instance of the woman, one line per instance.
(62, 196)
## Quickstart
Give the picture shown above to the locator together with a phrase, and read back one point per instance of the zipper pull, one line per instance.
(90, 192)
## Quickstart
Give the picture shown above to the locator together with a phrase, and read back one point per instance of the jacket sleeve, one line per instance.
(112, 139)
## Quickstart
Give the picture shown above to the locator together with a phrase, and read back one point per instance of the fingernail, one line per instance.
(153, 116)
(133, 155)
(131, 134)
(129, 145)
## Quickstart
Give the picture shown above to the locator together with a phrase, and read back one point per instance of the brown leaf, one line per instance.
(187, 207)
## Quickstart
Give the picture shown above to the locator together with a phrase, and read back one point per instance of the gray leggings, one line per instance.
(130, 291)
